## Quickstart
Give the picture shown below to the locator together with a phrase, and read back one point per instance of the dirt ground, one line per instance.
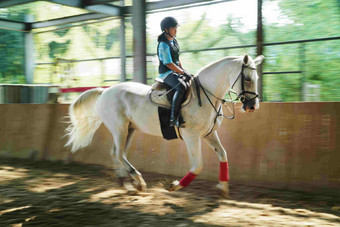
(37, 193)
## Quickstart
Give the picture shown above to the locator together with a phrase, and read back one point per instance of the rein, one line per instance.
(223, 101)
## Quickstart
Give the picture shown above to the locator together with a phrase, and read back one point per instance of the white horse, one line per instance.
(124, 108)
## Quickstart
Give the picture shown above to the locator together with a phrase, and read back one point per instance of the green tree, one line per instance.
(306, 20)
(12, 50)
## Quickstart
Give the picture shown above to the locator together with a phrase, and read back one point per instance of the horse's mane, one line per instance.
(207, 67)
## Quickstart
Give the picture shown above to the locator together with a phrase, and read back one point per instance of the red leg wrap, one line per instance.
(224, 171)
(187, 179)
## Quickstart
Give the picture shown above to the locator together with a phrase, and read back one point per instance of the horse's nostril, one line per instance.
(252, 108)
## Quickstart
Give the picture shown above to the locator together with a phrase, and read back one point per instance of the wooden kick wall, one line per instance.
(286, 145)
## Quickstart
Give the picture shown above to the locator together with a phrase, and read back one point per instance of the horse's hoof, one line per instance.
(139, 187)
(171, 187)
(130, 188)
(174, 186)
(223, 193)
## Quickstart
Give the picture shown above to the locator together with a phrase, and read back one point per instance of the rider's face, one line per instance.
(172, 31)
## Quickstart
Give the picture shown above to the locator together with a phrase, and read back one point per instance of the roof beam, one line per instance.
(173, 3)
(91, 6)
(9, 3)
(96, 2)
(67, 20)
(106, 9)
(12, 25)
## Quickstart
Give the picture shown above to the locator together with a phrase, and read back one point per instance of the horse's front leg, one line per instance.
(214, 142)
(193, 144)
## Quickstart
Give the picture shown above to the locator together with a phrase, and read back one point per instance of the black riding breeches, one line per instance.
(174, 81)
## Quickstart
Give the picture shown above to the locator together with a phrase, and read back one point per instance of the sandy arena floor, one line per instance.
(35, 193)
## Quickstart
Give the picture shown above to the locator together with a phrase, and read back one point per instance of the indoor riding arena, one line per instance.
(284, 157)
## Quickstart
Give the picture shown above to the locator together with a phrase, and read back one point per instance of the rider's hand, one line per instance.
(187, 76)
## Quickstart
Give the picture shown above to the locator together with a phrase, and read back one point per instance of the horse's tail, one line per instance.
(84, 119)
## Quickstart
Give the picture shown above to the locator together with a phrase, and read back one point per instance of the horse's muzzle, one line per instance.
(249, 109)
(249, 106)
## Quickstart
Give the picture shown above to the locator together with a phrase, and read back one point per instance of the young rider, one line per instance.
(170, 66)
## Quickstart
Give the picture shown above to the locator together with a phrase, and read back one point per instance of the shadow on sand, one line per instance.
(42, 193)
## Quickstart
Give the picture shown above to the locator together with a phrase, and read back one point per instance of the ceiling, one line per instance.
(74, 11)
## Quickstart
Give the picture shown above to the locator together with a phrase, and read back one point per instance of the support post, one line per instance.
(102, 71)
(122, 46)
(259, 45)
(139, 40)
(29, 50)
(302, 56)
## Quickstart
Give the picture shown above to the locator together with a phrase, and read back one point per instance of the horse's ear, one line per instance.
(259, 59)
(246, 59)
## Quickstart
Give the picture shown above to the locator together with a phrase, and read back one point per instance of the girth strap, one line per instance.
(198, 90)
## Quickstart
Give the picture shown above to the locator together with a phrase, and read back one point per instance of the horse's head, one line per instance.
(249, 77)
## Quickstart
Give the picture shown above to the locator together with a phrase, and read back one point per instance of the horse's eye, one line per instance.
(242, 99)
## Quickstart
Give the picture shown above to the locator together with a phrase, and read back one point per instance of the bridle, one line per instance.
(241, 96)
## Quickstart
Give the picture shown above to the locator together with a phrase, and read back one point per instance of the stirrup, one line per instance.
(176, 122)
(173, 122)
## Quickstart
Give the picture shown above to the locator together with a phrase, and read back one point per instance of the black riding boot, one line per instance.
(175, 107)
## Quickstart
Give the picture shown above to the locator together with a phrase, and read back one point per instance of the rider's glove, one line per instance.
(187, 76)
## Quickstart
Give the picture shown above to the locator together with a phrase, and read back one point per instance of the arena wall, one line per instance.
(286, 145)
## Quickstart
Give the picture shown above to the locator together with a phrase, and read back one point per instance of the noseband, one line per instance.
(242, 95)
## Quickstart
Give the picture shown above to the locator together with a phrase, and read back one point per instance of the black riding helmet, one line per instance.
(168, 22)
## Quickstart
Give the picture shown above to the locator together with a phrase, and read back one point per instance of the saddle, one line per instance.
(161, 94)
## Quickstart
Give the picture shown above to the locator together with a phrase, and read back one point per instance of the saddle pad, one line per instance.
(160, 98)
(168, 132)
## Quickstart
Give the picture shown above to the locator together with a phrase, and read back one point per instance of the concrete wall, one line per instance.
(292, 145)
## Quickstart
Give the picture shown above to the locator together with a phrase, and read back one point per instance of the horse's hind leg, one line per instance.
(120, 171)
(214, 143)
(135, 175)
(122, 137)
